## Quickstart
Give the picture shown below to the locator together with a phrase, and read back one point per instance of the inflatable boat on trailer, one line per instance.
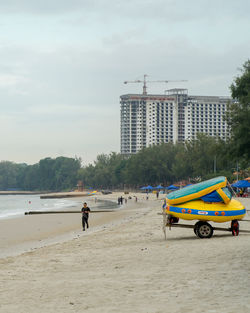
(207, 201)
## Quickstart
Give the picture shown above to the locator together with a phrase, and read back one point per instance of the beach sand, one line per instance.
(28, 232)
(127, 266)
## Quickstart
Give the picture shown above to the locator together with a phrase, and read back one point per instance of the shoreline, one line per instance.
(28, 232)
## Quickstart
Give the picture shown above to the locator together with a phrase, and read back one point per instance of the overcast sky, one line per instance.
(63, 64)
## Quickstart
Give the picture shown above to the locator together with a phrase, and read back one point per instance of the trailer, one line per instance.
(202, 229)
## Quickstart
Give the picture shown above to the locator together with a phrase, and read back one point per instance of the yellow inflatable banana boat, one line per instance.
(203, 211)
(214, 187)
(206, 201)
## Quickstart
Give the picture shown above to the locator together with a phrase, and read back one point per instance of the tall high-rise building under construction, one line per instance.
(148, 119)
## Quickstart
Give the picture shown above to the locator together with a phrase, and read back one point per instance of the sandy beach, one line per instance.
(123, 264)
(28, 232)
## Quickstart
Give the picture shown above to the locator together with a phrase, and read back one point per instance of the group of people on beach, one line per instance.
(120, 200)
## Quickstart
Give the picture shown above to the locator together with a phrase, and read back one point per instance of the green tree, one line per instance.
(156, 164)
(8, 175)
(238, 115)
(29, 178)
(65, 173)
(107, 171)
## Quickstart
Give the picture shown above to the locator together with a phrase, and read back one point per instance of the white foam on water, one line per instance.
(17, 205)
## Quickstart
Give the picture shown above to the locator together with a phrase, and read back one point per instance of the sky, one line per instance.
(63, 64)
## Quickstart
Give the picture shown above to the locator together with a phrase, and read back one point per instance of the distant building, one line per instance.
(152, 119)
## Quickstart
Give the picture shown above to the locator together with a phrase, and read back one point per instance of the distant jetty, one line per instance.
(6, 193)
(71, 194)
(46, 195)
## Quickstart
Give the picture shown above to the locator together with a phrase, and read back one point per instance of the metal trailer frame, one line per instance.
(167, 223)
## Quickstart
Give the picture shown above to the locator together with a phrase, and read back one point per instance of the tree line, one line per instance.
(199, 159)
(202, 158)
(48, 174)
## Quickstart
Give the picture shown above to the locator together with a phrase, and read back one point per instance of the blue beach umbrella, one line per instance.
(241, 184)
(159, 187)
(172, 187)
(149, 187)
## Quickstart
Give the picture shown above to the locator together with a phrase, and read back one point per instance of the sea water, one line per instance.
(17, 205)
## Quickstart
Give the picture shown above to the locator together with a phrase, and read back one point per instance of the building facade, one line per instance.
(175, 117)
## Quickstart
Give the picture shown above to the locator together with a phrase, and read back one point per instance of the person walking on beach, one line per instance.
(85, 215)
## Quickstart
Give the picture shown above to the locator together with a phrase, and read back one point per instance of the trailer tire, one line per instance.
(235, 227)
(203, 230)
(174, 220)
(195, 229)
(196, 226)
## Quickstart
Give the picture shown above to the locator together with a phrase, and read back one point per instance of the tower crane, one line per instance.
(144, 81)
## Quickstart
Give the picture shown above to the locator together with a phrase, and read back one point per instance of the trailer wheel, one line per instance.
(195, 228)
(203, 230)
(174, 220)
(235, 227)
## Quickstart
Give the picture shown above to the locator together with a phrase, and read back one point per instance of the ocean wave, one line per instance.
(17, 205)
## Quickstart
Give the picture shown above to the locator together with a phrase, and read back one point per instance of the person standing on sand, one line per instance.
(85, 215)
